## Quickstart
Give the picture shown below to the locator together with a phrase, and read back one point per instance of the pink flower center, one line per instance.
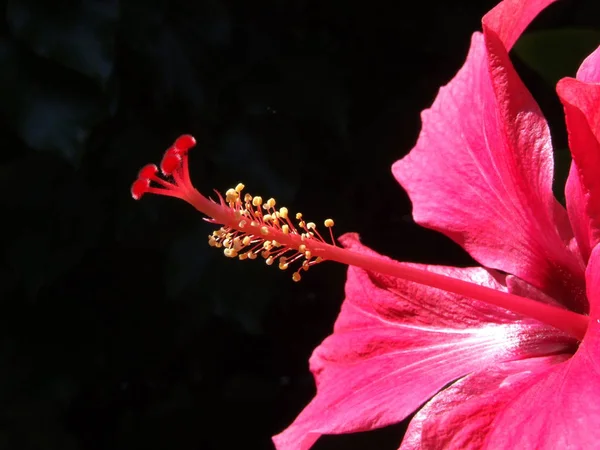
(251, 227)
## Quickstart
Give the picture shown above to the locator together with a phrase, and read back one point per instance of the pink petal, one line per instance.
(561, 410)
(575, 196)
(536, 403)
(461, 416)
(396, 343)
(581, 100)
(511, 17)
(481, 171)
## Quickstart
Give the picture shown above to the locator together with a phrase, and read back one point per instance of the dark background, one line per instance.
(120, 328)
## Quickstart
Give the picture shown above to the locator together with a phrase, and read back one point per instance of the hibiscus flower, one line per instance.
(501, 356)
(481, 173)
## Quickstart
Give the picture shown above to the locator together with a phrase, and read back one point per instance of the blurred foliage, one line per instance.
(555, 54)
(121, 328)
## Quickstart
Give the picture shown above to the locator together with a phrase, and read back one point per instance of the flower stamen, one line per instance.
(251, 227)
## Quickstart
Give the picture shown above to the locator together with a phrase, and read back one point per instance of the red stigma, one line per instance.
(184, 142)
(171, 161)
(175, 180)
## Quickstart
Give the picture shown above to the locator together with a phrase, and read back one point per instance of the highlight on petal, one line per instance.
(581, 101)
(396, 343)
(562, 409)
(486, 153)
(461, 416)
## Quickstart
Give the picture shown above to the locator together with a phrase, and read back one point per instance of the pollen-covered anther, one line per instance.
(231, 196)
(256, 228)
(230, 253)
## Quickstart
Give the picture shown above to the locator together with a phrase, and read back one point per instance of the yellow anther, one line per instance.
(270, 260)
(252, 255)
(246, 240)
(242, 223)
(237, 244)
(311, 225)
(243, 256)
(239, 188)
(275, 243)
(231, 195)
(283, 266)
(247, 198)
(298, 216)
(267, 218)
(302, 224)
(285, 229)
(307, 254)
(318, 260)
(230, 253)
(283, 212)
(265, 254)
(264, 231)
(271, 203)
(257, 201)
(329, 223)
(302, 248)
(296, 276)
(267, 245)
(227, 243)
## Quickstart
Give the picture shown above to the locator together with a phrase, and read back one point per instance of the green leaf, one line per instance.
(555, 54)
(80, 37)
